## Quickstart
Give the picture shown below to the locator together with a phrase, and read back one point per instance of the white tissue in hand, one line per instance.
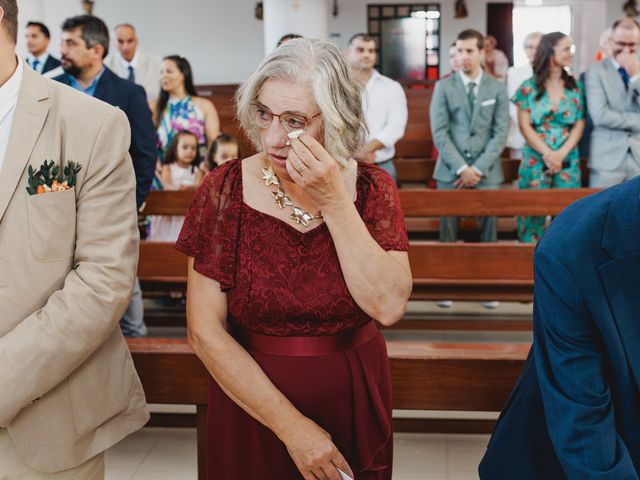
(295, 133)
(344, 476)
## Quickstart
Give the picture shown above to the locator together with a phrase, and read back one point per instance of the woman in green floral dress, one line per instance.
(551, 118)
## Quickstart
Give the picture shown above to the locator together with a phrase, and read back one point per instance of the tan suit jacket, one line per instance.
(68, 387)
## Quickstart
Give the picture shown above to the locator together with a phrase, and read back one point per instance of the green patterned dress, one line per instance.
(554, 128)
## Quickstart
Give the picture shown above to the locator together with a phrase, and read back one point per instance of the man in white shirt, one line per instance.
(39, 59)
(132, 64)
(515, 77)
(384, 103)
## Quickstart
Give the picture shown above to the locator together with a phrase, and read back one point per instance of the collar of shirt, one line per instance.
(91, 89)
(616, 65)
(133, 62)
(42, 59)
(375, 76)
(9, 94)
(466, 79)
(10, 90)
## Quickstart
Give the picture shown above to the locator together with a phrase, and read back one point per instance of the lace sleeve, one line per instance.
(382, 212)
(211, 228)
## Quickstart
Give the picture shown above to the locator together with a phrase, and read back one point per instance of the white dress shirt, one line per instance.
(617, 67)
(385, 110)
(133, 63)
(466, 80)
(9, 93)
(42, 59)
(515, 77)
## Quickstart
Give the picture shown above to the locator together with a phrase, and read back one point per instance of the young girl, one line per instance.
(179, 172)
(224, 148)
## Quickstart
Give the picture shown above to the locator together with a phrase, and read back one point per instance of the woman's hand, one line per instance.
(311, 166)
(313, 452)
(553, 161)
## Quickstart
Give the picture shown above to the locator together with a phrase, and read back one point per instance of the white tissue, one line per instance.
(295, 133)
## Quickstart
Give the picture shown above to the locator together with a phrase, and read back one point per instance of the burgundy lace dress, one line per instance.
(281, 282)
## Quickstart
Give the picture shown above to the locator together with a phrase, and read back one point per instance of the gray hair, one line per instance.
(320, 65)
(531, 36)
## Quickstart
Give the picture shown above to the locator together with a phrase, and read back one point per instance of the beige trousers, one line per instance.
(13, 468)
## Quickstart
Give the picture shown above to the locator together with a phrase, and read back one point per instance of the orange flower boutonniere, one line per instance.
(52, 178)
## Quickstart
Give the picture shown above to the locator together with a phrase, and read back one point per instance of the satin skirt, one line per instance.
(342, 382)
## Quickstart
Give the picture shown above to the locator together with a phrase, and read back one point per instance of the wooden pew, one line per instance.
(423, 202)
(456, 271)
(420, 170)
(425, 376)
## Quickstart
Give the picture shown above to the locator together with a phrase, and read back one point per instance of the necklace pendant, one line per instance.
(301, 217)
(281, 198)
(269, 177)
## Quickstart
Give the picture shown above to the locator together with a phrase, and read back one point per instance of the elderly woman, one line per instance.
(295, 252)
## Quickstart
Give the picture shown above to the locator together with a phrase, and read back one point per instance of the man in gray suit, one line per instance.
(132, 64)
(469, 120)
(613, 86)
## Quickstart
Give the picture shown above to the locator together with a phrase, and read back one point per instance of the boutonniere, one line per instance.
(52, 178)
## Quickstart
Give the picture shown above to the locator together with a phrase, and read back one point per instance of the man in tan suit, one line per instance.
(68, 387)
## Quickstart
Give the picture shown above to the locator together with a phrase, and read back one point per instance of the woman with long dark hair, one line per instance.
(551, 119)
(180, 108)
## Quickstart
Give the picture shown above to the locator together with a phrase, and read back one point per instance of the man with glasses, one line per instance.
(612, 87)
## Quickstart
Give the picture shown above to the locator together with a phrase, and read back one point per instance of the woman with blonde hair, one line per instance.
(295, 253)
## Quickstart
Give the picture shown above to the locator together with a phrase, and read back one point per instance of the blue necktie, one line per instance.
(35, 64)
(132, 75)
(625, 77)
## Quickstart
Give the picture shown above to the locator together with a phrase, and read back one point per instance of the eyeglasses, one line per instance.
(290, 121)
(631, 45)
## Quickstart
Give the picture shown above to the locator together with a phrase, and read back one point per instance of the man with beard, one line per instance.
(84, 45)
(383, 101)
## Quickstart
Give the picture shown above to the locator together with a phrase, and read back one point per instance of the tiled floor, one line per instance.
(170, 454)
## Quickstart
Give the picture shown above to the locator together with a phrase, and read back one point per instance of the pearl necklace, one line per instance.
(282, 200)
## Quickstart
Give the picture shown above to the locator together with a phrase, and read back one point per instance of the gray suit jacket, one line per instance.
(463, 138)
(616, 116)
(147, 72)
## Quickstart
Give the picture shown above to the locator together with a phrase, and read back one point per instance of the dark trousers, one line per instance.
(449, 225)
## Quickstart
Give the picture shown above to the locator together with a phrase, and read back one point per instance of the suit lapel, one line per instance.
(28, 120)
(103, 84)
(616, 78)
(459, 85)
(620, 276)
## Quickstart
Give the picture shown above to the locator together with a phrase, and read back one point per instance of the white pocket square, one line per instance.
(486, 103)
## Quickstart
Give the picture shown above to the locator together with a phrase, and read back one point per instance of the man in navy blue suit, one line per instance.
(38, 37)
(575, 411)
(84, 45)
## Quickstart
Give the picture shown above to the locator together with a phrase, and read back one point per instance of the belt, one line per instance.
(305, 346)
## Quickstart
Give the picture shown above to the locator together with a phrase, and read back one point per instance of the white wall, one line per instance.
(224, 42)
(221, 38)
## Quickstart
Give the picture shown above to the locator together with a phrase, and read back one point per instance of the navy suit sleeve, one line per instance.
(143, 142)
(570, 366)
